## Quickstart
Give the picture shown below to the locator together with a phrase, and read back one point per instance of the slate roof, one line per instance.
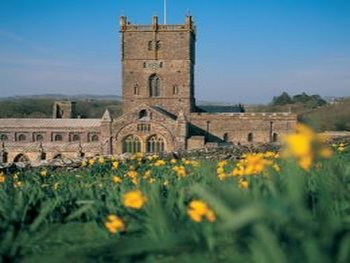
(50, 123)
(220, 108)
(164, 112)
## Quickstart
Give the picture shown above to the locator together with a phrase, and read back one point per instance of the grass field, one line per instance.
(292, 206)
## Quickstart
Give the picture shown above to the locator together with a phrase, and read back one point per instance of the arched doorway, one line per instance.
(131, 144)
(155, 144)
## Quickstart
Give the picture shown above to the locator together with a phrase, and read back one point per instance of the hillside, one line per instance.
(42, 107)
(329, 117)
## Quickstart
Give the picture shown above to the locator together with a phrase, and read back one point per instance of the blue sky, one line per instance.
(247, 50)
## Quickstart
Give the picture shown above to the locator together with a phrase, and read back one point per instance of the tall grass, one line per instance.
(291, 215)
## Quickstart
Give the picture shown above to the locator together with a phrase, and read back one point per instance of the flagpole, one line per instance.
(165, 12)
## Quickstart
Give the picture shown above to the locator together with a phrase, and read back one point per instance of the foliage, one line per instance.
(310, 101)
(264, 208)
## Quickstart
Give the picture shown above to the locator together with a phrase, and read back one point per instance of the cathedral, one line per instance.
(159, 108)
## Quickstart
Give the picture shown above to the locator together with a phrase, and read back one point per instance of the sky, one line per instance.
(247, 50)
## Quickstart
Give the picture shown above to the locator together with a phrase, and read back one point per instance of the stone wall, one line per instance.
(235, 127)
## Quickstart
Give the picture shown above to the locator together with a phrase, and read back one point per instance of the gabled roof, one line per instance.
(50, 123)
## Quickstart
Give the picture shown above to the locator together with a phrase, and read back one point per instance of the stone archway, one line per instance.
(21, 158)
(166, 143)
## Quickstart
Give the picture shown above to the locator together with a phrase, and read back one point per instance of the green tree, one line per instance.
(282, 99)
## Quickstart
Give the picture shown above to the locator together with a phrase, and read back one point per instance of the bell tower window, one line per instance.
(154, 86)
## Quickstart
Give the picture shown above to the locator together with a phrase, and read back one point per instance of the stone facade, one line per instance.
(159, 110)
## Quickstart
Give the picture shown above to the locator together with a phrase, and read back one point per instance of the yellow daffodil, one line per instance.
(2, 177)
(197, 210)
(134, 199)
(115, 165)
(117, 179)
(114, 224)
(243, 183)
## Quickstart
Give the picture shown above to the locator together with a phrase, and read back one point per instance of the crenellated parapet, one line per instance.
(126, 25)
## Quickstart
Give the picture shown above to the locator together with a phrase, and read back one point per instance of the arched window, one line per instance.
(143, 114)
(150, 45)
(22, 138)
(20, 158)
(42, 156)
(58, 138)
(39, 138)
(94, 138)
(131, 144)
(75, 138)
(250, 137)
(225, 137)
(154, 86)
(136, 90)
(155, 144)
(274, 137)
(3, 137)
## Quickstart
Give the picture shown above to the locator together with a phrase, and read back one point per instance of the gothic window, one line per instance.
(250, 137)
(94, 138)
(75, 138)
(155, 144)
(58, 138)
(22, 138)
(144, 64)
(175, 90)
(154, 85)
(274, 137)
(131, 144)
(3, 137)
(39, 138)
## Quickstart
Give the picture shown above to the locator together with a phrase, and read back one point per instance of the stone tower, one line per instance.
(64, 109)
(158, 65)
